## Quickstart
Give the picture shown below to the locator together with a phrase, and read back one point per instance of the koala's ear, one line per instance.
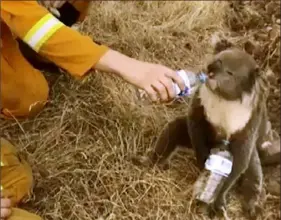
(252, 49)
(269, 75)
(256, 72)
(253, 75)
(249, 47)
(220, 44)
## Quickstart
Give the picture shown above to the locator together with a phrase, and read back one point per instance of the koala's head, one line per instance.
(232, 73)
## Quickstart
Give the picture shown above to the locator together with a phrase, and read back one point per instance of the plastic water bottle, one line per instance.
(217, 169)
(191, 80)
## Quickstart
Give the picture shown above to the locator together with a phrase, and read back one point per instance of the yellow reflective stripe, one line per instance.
(2, 164)
(47, 36)
(36, 27)
(42, 31)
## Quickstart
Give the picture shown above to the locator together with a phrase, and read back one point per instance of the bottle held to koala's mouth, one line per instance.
(217, 168)
(191, 81)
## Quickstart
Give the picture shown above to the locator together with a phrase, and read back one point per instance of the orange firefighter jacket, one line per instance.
(49, 37)
(24, 89)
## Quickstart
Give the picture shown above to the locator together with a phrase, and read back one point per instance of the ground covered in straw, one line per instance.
(80, 145)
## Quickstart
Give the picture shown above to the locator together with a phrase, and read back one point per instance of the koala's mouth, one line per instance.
(212, 84)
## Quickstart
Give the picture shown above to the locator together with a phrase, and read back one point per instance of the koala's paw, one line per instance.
(220, 44)
(252, 209)
(218, 208)
(141, 161)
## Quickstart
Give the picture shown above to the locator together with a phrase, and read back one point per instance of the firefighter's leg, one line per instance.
(16, 174)
(16, 180)
(24, 89)
(20, 214)
(83, 7)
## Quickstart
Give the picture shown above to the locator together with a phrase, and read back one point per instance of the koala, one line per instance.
(231, 106)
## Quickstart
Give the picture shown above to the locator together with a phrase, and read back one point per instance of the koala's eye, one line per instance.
(214, 66)
(229, 73)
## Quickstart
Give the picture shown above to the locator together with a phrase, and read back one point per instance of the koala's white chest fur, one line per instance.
(230, 116)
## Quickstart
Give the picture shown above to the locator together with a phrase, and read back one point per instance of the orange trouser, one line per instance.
(16, 180)
(24, 90)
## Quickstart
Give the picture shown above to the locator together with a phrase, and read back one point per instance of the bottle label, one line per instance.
(219, 164)
(185, 78)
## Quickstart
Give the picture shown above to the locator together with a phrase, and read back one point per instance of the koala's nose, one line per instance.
(213, 68)
(211, 74)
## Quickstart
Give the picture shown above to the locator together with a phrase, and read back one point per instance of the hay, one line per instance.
(80, 145)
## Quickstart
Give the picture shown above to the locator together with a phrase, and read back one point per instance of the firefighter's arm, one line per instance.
(45, 34)
(77, 54)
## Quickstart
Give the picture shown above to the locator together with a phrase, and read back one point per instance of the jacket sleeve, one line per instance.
(49, 37)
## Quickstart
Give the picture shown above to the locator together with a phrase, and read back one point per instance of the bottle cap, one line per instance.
(202, 77)
(219, 165)
(225, 142)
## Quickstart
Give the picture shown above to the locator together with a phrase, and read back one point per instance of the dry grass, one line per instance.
(80, 145)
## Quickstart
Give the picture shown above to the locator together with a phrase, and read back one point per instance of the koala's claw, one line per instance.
(140, 161)
(217, 210)
(212, 212)
(147, 162)
(253, 210)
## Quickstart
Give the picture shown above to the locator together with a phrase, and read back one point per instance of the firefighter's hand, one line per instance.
(155, 79)
(5, 208)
